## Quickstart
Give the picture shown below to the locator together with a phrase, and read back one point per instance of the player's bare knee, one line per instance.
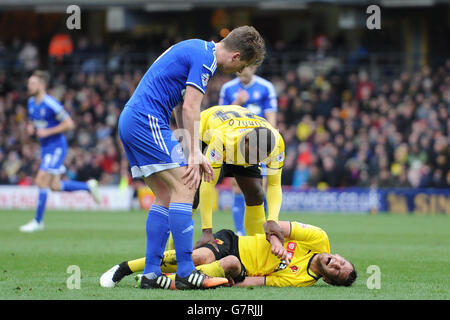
(231, 265)
(202, 256)
(254, 198)
(41, 181)
(184, 194)
(55, 186)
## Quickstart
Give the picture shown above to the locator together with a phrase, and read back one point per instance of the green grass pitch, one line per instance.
(412, 253)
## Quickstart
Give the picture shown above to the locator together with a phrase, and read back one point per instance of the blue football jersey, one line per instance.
(262, 95)
(47, 114)
(190, 62)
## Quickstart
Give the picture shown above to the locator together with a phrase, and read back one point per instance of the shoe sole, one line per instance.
(31, 231)
(139, 284)
(93, 190)
(208, 283)
(214, 282)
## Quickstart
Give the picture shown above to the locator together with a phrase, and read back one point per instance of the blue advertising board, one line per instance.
(358, 200)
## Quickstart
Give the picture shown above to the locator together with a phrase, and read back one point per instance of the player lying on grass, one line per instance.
(300, 261)
(236, 142)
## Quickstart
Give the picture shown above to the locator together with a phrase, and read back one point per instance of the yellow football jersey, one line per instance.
(222, 129)
(304, 242)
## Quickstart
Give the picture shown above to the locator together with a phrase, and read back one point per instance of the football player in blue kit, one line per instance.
(179, 76)
(48, 120)
(259, 96)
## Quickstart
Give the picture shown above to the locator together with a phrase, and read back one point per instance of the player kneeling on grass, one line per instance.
(300, 261)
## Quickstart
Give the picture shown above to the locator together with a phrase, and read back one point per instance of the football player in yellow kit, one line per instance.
(236, 142)
(299, 261)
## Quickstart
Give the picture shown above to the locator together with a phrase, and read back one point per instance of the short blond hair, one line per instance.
(43, 76)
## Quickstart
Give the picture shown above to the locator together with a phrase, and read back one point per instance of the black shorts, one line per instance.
(228, 244)
(231, 170)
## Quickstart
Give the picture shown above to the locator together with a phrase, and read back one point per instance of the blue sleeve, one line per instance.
(201, 70)
(59, 113)
(224, 98)
(270, 103)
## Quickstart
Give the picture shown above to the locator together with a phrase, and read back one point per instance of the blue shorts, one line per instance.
(52, 158)
(149, 143)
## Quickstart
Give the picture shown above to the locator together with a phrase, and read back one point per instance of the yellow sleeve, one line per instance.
(214, 153)
(274, 194)
(207, 195)
(310, 236)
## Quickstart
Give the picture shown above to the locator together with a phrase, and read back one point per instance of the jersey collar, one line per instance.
(248, 85)
(309, 271)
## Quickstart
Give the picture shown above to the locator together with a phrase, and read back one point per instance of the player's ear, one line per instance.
(236, 56)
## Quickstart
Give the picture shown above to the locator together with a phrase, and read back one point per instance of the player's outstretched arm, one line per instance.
(251, 282)
(207, 196)
(274, 197)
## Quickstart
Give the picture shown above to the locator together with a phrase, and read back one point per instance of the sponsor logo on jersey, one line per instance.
(291, 246)
(214, 155)
(280, 157)
(281, 266)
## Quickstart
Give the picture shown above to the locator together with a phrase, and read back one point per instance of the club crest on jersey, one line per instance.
(205, 79)
(180, 152)
(294, 269)
(219, 242)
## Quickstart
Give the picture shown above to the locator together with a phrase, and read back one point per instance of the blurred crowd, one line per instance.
(341, 129)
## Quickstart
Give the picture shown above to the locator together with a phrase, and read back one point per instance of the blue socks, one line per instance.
(72, 185)
(182, 228)
(157, 234)
(66, 185)
(42, 200)
(159, 225)
(239, 212)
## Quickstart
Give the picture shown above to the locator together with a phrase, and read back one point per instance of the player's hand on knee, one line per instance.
(207, 237)
(207, 170)
(192, 175)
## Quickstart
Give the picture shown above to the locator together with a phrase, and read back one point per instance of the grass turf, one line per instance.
(411, 251)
